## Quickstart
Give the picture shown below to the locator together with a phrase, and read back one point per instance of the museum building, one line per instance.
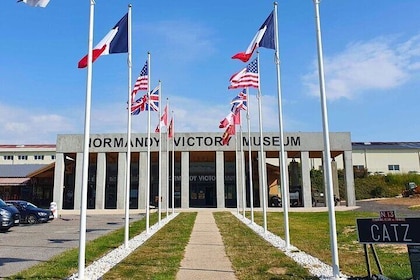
(205, 172)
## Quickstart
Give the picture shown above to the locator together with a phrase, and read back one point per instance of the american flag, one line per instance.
(239, 101)
(247, 77)
(142, 81)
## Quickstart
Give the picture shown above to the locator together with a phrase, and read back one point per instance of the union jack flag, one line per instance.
(142, 104)
(139, 105)
(142, 81)
(154, 100)
(240, 101)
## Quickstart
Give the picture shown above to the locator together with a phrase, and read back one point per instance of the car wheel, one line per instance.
(32, 219)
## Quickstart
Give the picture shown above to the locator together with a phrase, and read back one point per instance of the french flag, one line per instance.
(116, 41)
(264, 38)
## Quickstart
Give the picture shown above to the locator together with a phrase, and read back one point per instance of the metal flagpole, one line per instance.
(243, 169)
(160, 156)
(251, 190)
(147, 196)
(284, 184)
(128, 164)
(262, 157)
(327, 152)
(237, 170)
(85, 174)
(167, 158)
(173, 163)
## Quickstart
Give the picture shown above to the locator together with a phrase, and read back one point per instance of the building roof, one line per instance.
(385, 145)
(19, 170)
(13, 181)
(28, 146)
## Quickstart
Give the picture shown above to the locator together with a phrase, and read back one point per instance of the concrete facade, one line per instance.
(207, 174)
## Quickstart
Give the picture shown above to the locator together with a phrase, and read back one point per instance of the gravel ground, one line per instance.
(401, 205)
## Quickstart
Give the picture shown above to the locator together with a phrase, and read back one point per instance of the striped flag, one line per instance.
(264, 38)
(142, 81)
(247, 77)
(116, 41)
(35, 3)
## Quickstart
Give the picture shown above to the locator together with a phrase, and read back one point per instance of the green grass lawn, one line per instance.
(251, 256)
(310, 233)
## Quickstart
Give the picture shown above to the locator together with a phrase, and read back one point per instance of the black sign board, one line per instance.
(400, 231)
(414, 254)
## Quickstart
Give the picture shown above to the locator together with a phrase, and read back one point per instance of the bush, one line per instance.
(375, 186)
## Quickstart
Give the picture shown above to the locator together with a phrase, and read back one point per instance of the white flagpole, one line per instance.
(282, 160)
(237, 169)
(262, 157)
(85, 173)
(173, 163)
(167, 158)
(160, 155)
(147, 196)
(251, 188)
(243, 168)
(327, 152)
(128, 164)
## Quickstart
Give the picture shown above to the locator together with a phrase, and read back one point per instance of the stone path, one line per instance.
(205, 256)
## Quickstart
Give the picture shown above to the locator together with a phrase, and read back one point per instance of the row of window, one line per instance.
(391, 167)
(25, 157)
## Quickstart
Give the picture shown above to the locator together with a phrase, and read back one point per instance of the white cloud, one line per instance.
(182, 40)
(22, 126)
(191, 115)
(379, 64)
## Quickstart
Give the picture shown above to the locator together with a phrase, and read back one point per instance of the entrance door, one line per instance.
(202, 196)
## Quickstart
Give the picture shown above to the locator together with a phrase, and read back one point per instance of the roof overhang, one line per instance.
(13, 181)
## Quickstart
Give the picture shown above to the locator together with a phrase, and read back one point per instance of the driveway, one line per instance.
(401, 206)
(26, 245)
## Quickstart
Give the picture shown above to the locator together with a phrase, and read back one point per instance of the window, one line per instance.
(393, 167)
(53, 157)
(359, 167)
(23, 157)
(38, 157)
(8, 157)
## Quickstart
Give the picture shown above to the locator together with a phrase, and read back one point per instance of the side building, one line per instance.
(27, 172)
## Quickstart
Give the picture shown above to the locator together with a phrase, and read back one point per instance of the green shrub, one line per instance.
(375, 186)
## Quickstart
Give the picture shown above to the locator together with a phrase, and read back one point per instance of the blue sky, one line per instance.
(371, 57)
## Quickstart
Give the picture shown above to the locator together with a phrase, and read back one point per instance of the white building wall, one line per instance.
(377, 161)
(27, 154)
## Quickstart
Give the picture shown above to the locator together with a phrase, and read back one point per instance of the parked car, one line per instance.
(14, 213)
(30, 213)
(9, 216)
(6, 220)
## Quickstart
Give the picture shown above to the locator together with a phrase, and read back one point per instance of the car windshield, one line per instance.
(30, 205)
(2, 203)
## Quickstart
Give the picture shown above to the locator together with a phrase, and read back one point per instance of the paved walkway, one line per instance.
(205, 256)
